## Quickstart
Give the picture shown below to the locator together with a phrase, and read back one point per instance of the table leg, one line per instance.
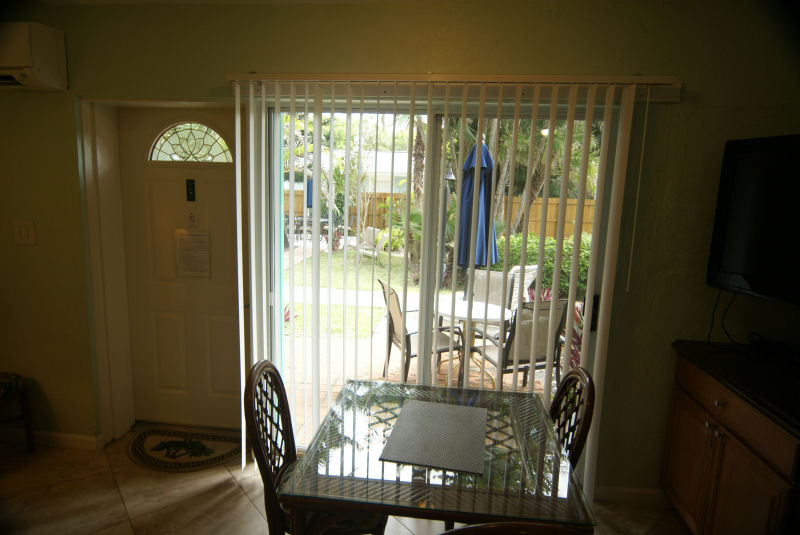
(485, 371)
(298, 522)
(470, 340)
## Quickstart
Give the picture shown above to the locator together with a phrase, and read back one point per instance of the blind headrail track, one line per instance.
(662, 88)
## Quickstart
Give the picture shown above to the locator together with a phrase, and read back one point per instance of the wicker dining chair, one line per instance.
(512, 528)
(571, 411)
(271, 438)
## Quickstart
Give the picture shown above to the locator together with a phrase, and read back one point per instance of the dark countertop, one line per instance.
(767, 378)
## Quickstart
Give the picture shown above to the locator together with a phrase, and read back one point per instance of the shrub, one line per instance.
(532, 251)
(398, 239)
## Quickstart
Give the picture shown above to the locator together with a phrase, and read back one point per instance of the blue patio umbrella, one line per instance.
(485, 236)
(309, 193)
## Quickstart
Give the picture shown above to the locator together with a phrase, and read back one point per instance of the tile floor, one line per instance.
(64, 491)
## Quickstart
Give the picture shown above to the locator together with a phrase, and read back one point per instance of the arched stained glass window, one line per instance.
(190, 142)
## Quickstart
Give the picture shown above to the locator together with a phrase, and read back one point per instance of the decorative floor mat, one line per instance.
(171, 450)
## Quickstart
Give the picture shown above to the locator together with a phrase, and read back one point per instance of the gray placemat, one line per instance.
(438, 435)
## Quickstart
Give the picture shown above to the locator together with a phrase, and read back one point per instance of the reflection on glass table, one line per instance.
(526, 475)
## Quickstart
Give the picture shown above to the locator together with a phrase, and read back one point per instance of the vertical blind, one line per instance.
(350, 152)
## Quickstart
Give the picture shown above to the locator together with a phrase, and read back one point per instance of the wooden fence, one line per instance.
(375, 212)
(552, 215)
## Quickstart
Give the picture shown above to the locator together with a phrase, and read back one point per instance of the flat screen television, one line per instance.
(754, 243)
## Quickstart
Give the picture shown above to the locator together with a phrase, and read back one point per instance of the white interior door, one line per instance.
(181, 273)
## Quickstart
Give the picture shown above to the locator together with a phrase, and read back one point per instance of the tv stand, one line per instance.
(732, 450)
(773, 349)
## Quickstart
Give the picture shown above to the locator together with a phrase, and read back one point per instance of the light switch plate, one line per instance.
(24, 232)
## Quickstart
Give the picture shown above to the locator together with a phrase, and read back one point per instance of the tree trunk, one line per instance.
(419, 163)
(501, 185)
(500, 174)
(532, 188)
(491, 126)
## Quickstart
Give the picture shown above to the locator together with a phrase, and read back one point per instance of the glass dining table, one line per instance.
(526, 475)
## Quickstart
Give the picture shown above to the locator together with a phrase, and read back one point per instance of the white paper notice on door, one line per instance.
(192, 253)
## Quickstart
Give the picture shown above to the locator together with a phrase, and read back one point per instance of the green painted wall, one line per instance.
(741, 75)
(45, 327)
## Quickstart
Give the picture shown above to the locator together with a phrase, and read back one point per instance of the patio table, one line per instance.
(480, 312)
(526, 475)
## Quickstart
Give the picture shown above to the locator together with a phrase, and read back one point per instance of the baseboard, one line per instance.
(630, 495)
(52, 439)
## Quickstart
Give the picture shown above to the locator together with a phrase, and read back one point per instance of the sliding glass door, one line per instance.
(392, 224)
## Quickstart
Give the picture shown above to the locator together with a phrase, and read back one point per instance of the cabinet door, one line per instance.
(750, 497)
(688, 457)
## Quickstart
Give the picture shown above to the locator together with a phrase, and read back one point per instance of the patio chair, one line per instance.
(301, 224)
(271, 438)
(372, 243)
(571, 411)
(499, 349)
(529, 277)
(395, 335)
(495, 294)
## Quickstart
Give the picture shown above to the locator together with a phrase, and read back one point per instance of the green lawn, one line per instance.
(342, 319)
(368, 270)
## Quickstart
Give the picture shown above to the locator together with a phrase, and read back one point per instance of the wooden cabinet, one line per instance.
(749, 496)
(687, 458)
(727, 467)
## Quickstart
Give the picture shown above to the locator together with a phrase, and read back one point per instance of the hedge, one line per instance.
(532, 252)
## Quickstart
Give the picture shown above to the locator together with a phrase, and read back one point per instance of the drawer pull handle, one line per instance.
(708, 425)
(716, 434)
(718, 403)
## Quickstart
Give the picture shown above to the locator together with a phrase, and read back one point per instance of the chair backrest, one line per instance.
(395, 312)
(494, 294)
(385, 289)
(383, 239)
(523, 337)
(571, 411)
(372, 238)
(270, 435)
(514, 283)
(512, 528)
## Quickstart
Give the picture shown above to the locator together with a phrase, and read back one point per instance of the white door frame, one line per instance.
(108, 303)
(106, 272)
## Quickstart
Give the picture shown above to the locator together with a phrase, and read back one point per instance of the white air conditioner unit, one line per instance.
(32, 56)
